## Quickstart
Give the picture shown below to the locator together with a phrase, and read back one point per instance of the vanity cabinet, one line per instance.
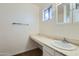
(58, 54)
(47, 51)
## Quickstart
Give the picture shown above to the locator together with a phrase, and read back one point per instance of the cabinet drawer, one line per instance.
(45, 53)
(48, 50)
(58, 54)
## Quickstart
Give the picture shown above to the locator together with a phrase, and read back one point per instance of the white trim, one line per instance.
(11, 54)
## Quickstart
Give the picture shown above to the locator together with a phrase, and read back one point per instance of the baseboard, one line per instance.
(21, 51)
(33, 52)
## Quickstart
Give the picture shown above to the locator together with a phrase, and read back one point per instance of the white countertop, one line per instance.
(46, 41)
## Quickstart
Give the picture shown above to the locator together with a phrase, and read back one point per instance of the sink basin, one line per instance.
(63, 45)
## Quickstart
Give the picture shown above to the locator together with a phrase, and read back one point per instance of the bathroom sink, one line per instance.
(63, 45)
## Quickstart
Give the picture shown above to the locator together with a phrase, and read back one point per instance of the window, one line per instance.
(77, 5)
(47, 13)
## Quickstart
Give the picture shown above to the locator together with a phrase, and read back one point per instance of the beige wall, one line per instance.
(50, 28)
(14, 38)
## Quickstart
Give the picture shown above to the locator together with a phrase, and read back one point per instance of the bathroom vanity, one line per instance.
(50, 50)
(47, 51)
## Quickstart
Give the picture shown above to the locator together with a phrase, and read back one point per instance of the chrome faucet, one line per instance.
(65, 41)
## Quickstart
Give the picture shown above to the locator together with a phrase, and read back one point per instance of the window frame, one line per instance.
(50, 13)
